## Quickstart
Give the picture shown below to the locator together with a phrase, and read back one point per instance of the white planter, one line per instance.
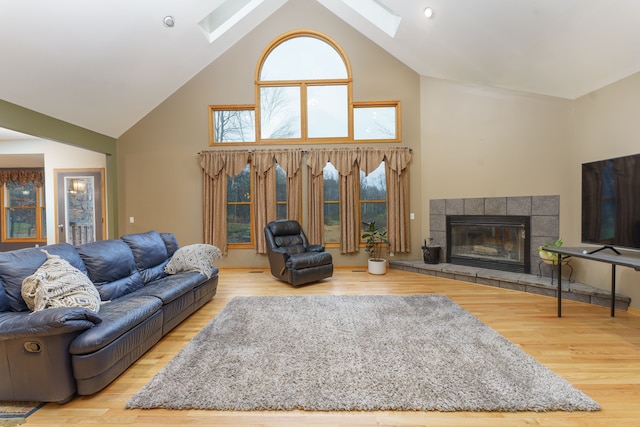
(377, 266)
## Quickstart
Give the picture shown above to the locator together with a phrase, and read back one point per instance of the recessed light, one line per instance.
(429, 13)
(169, 21)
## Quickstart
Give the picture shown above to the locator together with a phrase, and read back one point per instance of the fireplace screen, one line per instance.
(499, 243)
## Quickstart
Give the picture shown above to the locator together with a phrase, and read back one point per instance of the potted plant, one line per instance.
(547, 256)
(375, 239)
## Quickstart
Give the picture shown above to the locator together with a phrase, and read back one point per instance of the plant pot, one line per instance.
(377, 266)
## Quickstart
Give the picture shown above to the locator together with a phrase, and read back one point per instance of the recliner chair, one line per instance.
(291, 257)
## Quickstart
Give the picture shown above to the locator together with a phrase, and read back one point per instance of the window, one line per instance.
(304, 95)
(331, 204)
(281, 193)
(373, 197)
(24, 213)
(239, 209)
(231, 124)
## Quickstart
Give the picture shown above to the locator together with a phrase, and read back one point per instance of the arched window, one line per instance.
(304, 95)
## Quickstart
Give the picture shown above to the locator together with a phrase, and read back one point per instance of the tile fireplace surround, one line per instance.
(543, 210)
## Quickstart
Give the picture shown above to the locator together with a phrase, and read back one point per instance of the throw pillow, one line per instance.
(56, 283)
(198, 257)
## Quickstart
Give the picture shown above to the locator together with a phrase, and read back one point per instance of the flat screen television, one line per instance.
(611, 203)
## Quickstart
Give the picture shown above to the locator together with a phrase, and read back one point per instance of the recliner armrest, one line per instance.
(52, 321)
(314, 248)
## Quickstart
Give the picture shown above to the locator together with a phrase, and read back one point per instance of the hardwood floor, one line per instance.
(598, 354)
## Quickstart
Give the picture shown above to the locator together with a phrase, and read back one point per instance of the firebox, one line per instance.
(495, 242)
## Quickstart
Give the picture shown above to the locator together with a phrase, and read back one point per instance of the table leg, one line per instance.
(613, 290)
(559, 285)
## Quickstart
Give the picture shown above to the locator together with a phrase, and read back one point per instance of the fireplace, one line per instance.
(496, 242)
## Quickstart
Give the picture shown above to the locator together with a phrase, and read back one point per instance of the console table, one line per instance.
(608, 255)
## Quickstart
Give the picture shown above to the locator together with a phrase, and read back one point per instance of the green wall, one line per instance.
(31, 122)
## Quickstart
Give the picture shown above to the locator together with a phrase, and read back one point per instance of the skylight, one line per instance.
(226, 16)
(376, 13)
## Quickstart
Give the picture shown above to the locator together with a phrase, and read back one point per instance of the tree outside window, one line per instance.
(239, 207)
(373, 197)
(331, 204)
(281, 193)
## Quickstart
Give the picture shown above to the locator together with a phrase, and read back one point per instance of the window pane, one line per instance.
(280, 112)
(234, 126)
(239, 207)
(281, 184)
(239, 187)
(80, 209)
(281, 211)
(374, 123)
(374, 212)
(303, 58)
(21, 223)
(331, 204)
(21, 195)
(374, 185)
(239, 223)
(43, 230)
(328, 115)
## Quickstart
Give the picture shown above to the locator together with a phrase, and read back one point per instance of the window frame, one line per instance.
(40, 214)
(251, 243)
(303, 86)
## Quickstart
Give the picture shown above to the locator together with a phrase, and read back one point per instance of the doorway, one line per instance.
(80, 206)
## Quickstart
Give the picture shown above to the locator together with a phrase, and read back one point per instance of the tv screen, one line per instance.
(611, 202)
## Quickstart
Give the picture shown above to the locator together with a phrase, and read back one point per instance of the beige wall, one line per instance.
(159, 178)
(606, 125)
(486, 142)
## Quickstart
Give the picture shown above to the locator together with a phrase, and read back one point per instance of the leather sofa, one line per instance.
(291, 257)
(56, 353)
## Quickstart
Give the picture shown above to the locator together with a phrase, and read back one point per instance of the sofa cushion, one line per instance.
(170, 242)
(14, 267)
(4, 299)
(56, 283)
(170, 288)
(308, 259)
(149, 252)
(111, 267)
(118, 317)
(67, 252)
(198, 257)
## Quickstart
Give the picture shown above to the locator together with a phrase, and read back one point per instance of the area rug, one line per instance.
(16, 413)
(330, 353)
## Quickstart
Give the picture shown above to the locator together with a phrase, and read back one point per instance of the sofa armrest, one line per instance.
(314, 248)
(52, 321)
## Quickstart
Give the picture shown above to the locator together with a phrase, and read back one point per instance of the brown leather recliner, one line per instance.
(291, 257)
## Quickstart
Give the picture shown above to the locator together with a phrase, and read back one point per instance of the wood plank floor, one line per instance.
(598, 354)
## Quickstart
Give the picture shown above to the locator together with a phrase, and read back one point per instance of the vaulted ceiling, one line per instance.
(104, 64)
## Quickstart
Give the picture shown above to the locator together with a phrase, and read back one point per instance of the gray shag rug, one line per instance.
(328, 353)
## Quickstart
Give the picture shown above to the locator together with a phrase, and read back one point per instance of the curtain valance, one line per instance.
(22, 176)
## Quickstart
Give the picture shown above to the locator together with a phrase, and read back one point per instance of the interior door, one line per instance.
(80, 206)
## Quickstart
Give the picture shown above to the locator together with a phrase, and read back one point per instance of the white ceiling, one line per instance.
(105, 64)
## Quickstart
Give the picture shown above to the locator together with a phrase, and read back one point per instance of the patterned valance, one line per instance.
(22, 176)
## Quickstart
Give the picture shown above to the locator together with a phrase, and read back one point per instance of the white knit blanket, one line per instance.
(56, 283)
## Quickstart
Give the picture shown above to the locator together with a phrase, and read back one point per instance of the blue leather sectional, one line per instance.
(57, 353)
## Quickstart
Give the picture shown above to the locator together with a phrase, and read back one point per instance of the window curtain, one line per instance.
(264, 166)
(216, 166)
(397, 172)
(346, 161)
(22, 176)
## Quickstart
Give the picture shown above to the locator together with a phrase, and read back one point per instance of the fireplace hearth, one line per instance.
(496, 242)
